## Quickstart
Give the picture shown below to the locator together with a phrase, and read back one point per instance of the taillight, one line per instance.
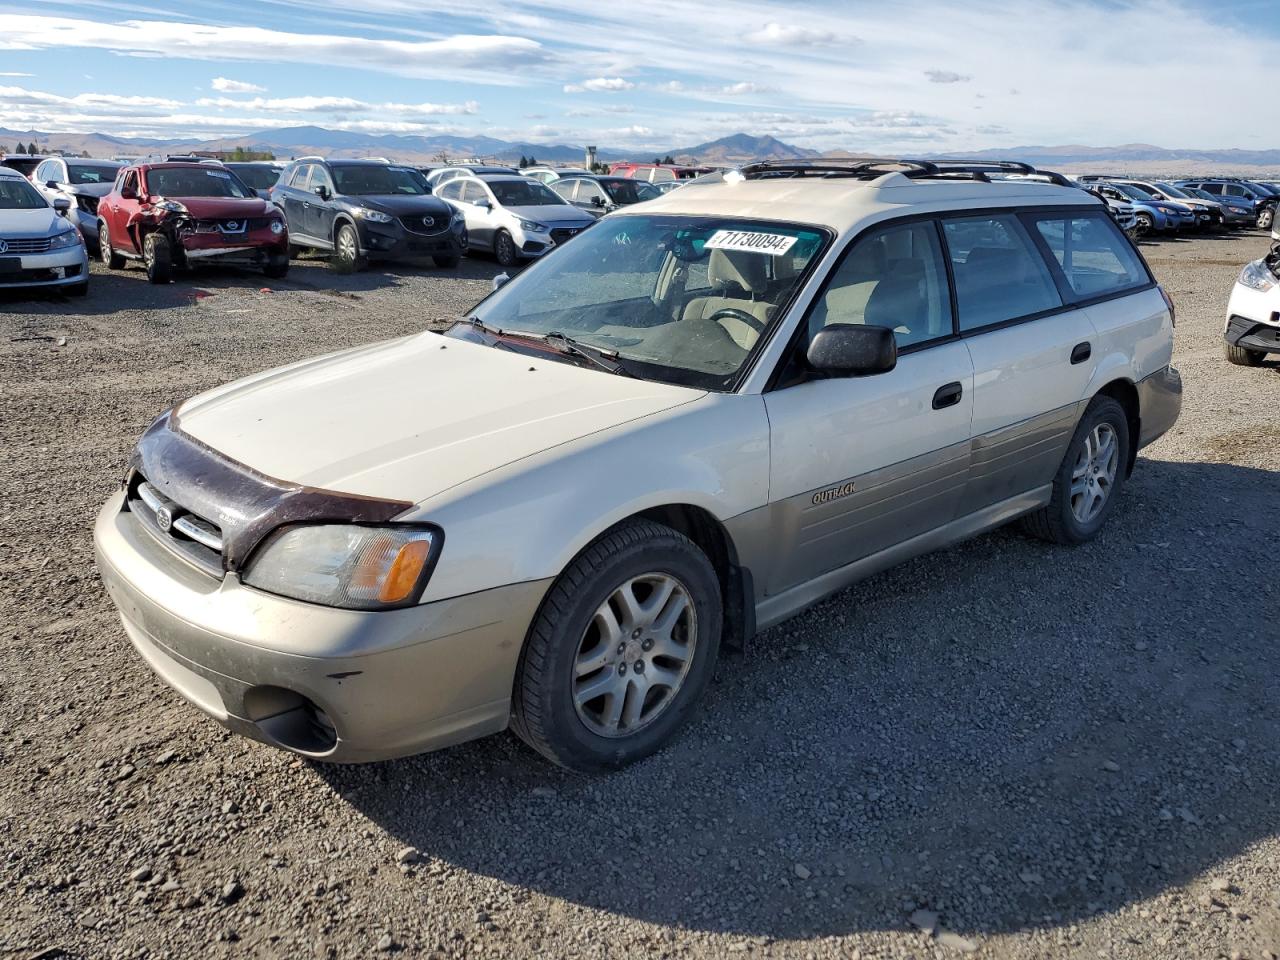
(1173, 311)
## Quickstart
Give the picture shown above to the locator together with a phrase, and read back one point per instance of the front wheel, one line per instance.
(621, 651)
(1145, 225)
(157, 254)
(1266, 217)
(346, 254)
(504, 248)
(1243, 357)
(1089, 481)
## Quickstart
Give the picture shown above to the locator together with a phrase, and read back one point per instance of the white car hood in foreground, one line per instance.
(411, 418)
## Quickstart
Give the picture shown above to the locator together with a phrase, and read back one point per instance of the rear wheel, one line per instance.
(157, 255)
(106, 254)
(1243, 357)
(1090, 477)
(504, 248)
(346, 250)
(621, 651)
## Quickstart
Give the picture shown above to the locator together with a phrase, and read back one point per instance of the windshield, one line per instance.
(1132, 192)
(90, 173)
(17, 194)
(523, 193)
(1169, 190)
(367, 179)
(258, 176)
(679, 299)
(195, 182)
(1263, 188)
(629, 191)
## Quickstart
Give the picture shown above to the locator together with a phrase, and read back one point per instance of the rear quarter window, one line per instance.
(1094, 256)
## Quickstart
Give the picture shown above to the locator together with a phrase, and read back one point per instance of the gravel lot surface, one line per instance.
(1006, 749)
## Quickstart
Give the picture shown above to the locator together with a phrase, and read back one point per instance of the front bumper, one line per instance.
(1159, 404)
(57, 268)
(392, 241)
(1253, 318)
(338, 685)
(254, 247)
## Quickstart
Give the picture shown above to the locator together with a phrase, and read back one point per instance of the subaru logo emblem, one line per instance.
(428, 221)
(4, 246)
(164, 519)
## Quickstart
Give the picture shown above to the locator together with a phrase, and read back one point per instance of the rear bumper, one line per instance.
(1159, 404)
(386, 684)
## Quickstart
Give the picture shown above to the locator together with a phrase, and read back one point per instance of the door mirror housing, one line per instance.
(321, 191)
(853, 350)
(483, 203)
(597, 201)
(62, 205)
(51, 184)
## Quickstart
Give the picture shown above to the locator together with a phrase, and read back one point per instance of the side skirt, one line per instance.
(773, 610)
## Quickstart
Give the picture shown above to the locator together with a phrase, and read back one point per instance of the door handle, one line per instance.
(947, 395)
(1081, 352)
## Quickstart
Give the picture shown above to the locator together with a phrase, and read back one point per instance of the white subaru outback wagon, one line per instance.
(682, 427)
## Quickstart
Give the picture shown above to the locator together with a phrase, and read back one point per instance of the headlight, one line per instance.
(373, 216)
(277, 227)
(173, 206)
(347, 565)
(67, 238)
(1256, 276)
(533, 225)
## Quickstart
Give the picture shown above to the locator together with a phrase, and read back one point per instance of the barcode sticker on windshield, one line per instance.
(218, 173)
(774, 244)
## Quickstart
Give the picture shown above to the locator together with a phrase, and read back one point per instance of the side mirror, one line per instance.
(500, 279)
(321, 191)
(51, 184)
(853, 350)
(483, 204)
(597, 201)
(62, 205)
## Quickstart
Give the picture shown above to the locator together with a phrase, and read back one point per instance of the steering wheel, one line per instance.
(733, 313)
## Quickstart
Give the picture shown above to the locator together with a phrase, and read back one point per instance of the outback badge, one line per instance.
(834, 493)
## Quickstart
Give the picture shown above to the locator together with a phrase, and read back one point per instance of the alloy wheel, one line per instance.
(634, 656)
(1094, 474)
(347, 246)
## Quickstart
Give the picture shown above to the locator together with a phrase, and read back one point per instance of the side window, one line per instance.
(589, 190)
(1214, 188)
(564, 188)
(1095, 257)
(1000, 275)
(1234, 190)
(449, 191)
(43, 172)
(320, 178)
(895, 278)
(130, 181)
(298, 179)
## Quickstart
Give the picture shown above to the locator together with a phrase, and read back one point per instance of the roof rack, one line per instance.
(874, 168)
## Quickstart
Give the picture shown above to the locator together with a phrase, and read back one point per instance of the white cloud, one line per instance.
(338, 105)
(946, 76)
(86, 101)
(223, 85)
(15, 73)
(781, 35)
(600, 85)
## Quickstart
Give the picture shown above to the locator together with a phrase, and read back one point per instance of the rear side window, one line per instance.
(1000, 275)
(1094, 256)
(895, 278)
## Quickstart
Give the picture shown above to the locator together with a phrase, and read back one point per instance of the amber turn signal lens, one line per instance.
(405, 571)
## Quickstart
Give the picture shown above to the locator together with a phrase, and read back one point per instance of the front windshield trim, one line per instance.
(648, 370)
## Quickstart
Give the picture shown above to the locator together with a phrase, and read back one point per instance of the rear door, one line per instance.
(318, 213)
(294, 194)
(859, 464)
(1033, 355)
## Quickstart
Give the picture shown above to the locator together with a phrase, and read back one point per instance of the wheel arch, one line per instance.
(339, 221)
(1125, 392)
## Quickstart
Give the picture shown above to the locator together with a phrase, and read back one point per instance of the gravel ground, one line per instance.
(1006, 749)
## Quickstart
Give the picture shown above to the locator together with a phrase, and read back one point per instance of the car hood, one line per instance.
(40, 222)
(404, 206)
(91, 189)
(410, 418)
(220, 208)
(550, 213)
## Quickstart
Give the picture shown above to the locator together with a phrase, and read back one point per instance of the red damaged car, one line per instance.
(174, 215)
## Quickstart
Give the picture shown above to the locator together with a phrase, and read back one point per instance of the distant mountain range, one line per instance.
(288, 142)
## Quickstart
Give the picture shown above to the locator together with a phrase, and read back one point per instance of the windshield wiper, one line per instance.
(604, 359)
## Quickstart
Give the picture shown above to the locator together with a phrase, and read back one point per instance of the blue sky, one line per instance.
(919, 75)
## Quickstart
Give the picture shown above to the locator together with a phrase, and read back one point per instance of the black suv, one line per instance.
(366, 209)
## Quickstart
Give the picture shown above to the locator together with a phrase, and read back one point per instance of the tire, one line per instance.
(277, 266)
(106, 254)
(447, 263)
(1063, 520)
(1266, 217)
(1243, 357)
(568, 653)
(157, 254)
(504, 248)
(1145, 225)
(346, 250)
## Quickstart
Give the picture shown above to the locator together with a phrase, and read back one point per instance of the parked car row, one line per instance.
(1206, 204)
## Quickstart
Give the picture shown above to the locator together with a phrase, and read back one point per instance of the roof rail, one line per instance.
(874, 168)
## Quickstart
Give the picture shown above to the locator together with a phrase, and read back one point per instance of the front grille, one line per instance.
(562, 234)
(25, 244)
(180, 531)
(87, 204)
(438, 224)
(232, 226)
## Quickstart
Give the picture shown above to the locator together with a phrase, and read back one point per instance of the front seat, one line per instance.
(737, 279)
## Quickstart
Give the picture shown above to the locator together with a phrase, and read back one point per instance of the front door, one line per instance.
(859, 464)
(296, 198)
(318, 213)
(123, 208)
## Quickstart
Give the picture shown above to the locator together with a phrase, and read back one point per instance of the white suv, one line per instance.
(1253, 313)
(689, 424)
(512, 217)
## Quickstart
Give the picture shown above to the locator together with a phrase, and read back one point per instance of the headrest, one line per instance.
(733, 271)
(896, 302)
